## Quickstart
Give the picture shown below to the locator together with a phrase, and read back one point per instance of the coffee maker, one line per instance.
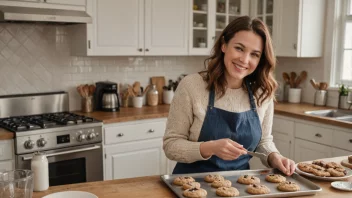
(106, 96)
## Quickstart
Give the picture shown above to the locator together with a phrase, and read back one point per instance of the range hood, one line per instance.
(10, 13)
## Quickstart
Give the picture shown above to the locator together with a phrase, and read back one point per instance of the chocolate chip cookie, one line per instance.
(227, 192)
(305, 167)
(212, 178)
(337, 172)
(257, 189)
(333, 165)
(221, 183)
(350, 159)
(189, 185)
(195, 192)
(275, 178)
(181, 180)
(288, 186)
(320, 173)
(248, 179)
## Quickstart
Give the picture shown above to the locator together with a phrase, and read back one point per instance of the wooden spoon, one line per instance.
(91, 90)
(292, 79)
(314, 84)
(286, 77)
(302, 77)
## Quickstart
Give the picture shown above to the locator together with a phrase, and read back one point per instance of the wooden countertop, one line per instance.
(6, 135)
(153, 187)
(130, 114)
(297, 111)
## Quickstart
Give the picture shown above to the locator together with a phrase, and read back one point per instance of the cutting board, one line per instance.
(159, 81)
(346, 163)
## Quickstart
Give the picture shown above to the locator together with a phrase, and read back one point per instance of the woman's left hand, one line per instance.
(282, 163)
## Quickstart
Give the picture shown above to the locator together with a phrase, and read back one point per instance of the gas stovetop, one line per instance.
(44, 121)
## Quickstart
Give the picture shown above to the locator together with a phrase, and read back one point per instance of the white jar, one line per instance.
(167, 96)
(294, 95)
(40, 168)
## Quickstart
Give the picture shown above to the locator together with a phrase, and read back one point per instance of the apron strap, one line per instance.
(211, 97)
(251, 97)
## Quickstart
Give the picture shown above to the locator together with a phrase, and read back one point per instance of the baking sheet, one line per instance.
(307, 187)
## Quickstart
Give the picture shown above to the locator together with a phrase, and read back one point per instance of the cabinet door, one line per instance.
(305, 151)
(68, 2)
(286, 19)
(170, 166)
(117, 28)
(283, 143)
(135, 159)
(6, 165)
(339, 152)
(166, 27)
(264, 10)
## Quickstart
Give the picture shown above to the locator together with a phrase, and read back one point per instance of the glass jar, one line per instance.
(40, 168)
(153, 96)
(16, 183)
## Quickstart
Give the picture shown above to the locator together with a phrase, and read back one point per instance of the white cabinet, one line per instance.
(305, 151)
(134, 27)
(67, 2)
(283, 134)
(339, 152)
(135, 159)
(298, 29)
(207, 20)
(6, 155)
(51, 4)
(6, 165)
(134, 149)
(264, 10)
(170, 166)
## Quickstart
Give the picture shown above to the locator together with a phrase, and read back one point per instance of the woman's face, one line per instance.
(241, 56)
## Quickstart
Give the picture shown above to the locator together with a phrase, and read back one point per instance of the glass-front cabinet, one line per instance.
(264, 10)
(209, 18)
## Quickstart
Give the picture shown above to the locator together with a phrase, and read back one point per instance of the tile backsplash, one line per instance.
(35, 57)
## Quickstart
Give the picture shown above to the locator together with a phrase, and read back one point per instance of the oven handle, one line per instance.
(66, 152)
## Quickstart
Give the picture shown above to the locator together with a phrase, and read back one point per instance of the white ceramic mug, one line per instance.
(167, 96)
(137, 101)
(294, 95)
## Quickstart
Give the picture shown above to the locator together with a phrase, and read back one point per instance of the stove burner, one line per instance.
(25, 123)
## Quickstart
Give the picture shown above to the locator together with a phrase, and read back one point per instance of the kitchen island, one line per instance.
(153, 187)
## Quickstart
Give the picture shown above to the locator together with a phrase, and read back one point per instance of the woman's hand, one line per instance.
(282, 163)
(225, 149)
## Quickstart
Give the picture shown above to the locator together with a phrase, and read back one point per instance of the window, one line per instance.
(343, 73)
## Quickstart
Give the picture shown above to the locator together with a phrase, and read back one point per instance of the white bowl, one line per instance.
(346, 186)
(71, 194)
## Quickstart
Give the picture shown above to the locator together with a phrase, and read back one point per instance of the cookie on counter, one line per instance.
(191, 184)
(211, 178)
(221, 183)
(275, 178)
(195, 192)
(288, 186)
(248, 179)
(257, 189)
(227, 192)
(181, 180)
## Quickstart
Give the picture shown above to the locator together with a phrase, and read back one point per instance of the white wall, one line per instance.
(36, 58)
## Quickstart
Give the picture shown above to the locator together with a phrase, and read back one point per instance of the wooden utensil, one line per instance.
(91, 90)
(286, 77)
(302, 77)
(314, 84)
(137, 88)
(159, 81)
(292, 79)
(323, 86)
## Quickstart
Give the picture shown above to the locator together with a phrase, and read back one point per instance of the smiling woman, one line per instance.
(217, 115)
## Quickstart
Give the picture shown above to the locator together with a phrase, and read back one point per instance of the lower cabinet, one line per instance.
(306, 150)
(134, 149)
(135, 159)
(7, 155)
(6, 165)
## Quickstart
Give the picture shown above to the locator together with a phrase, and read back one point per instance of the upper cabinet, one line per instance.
(207, 20)
(54, 4)
(133, 27)
(297, 26)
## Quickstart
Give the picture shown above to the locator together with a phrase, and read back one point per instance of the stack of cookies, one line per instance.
(323, 169)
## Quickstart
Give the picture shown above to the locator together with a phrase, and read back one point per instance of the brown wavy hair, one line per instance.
(261, 78)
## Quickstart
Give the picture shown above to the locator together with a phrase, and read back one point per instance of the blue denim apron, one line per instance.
(243, 128)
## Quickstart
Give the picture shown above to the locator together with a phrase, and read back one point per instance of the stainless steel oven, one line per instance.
(70, 165)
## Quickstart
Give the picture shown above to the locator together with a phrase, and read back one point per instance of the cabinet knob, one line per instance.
(318, 135)
(295, 46)
(119, 135)
(147, 50)
(151, 130)
(140, 49)
(350, 140)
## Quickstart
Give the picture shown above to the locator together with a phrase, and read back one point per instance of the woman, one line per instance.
(218, 115)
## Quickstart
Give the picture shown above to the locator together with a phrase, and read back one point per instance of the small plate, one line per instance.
(71, 194)
(349, 174)
(346, 186)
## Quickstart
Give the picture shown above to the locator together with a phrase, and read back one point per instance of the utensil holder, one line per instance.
(137, 101)
(87, 104)
(294, 95)
(320, 97)
(167, 96)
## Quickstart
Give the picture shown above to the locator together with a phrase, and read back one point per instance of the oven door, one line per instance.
(70, 165)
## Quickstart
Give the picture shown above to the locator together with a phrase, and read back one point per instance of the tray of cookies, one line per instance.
(323, 170)
(243, 183)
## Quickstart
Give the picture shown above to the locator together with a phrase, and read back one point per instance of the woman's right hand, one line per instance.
(225, 149)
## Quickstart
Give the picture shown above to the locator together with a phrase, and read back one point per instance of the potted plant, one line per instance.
(343, 92)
